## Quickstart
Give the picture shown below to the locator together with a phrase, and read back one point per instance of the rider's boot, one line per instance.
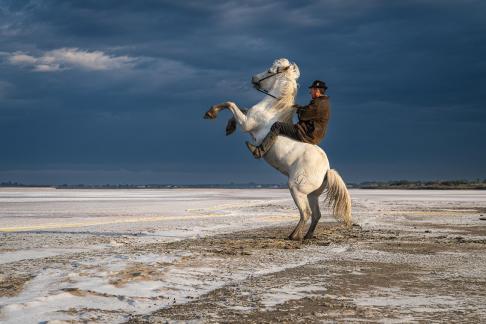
(255, 150)
(260, 150)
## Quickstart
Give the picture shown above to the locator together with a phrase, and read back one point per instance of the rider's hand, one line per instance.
(299, 108)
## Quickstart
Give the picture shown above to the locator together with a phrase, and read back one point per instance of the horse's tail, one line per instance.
(337, 197)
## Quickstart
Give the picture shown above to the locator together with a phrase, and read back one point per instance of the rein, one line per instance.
(267, 93)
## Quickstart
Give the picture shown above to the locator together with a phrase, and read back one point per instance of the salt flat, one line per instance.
(41, 209)
(220, 254)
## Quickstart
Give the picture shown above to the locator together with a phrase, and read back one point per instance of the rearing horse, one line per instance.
(306, 165)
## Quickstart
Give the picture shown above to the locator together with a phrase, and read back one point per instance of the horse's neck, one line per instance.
(266, 112)
(270, 110)
(263, 107)
(283, 110)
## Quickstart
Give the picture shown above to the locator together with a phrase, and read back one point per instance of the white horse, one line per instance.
(306, 165)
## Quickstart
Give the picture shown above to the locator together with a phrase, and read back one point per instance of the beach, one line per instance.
(221, 255)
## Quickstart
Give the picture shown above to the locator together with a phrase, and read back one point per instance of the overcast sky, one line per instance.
(114, 91)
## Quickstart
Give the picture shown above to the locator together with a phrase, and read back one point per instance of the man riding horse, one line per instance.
(306, 166)
(312, 125)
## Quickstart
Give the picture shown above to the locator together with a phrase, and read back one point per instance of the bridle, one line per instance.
(257, 84)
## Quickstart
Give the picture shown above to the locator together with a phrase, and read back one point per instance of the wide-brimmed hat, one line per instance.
(318, 84)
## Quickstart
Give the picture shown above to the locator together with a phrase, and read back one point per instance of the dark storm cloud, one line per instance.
(92, 86)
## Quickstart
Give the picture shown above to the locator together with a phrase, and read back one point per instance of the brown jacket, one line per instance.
(313, 118)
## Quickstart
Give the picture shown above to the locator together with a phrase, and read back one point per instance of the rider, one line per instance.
(311, 127)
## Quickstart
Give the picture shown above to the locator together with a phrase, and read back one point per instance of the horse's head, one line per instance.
(275, 80)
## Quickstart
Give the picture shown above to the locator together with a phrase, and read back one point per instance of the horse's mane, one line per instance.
(288, 91)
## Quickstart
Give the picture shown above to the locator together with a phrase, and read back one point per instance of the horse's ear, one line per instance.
(296, 69)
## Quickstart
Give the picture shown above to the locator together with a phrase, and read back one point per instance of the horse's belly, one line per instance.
(288, 155)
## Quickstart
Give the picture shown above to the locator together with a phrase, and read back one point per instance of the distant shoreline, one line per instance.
(401, 184)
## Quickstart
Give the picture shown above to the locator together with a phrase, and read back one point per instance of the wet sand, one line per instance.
(412, 256)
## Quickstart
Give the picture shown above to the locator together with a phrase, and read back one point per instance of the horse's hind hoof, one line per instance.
(294, 238)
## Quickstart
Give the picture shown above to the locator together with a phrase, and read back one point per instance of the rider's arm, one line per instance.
(315, 110)
(299, 109)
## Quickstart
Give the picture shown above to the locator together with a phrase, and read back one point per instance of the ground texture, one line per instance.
(410, 257)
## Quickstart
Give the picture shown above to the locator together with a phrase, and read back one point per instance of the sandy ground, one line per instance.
(156, 256)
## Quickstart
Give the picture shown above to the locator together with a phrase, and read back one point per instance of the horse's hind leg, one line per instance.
(316, 214)
(303, 205)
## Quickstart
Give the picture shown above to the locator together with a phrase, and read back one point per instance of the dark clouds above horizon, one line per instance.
(114, 91)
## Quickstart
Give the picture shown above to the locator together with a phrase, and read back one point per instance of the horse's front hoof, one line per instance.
(209, 115)
(231, 127)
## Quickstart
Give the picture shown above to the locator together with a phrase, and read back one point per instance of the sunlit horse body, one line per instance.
(306, 165)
